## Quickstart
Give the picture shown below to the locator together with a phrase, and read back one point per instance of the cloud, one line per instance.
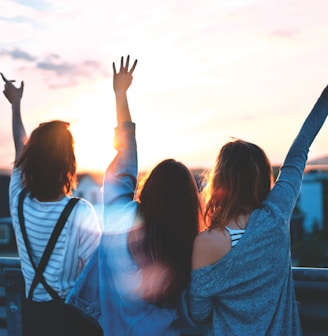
(37, 5)
(18, 54)
(64, 73)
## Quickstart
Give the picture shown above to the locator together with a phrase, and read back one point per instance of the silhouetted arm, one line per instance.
(14, 96)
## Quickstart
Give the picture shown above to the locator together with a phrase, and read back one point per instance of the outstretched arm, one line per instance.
(121, 82)
(121, 175)
(14, 96)
(288, 184)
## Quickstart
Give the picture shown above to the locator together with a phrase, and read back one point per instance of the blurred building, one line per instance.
(90, 188)
(312, 200)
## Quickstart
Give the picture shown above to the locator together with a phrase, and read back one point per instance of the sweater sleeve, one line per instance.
(287, 187)
(201, 293)
(200, 308)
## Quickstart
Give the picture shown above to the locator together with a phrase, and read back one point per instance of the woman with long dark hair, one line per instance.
(144, 259)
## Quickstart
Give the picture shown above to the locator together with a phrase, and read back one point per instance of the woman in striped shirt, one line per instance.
(45, 166)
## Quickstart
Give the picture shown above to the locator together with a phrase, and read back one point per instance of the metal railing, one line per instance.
(311, 286)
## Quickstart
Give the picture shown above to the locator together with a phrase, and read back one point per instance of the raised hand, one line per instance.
(123, 79)
(14, 96)
(12, 93)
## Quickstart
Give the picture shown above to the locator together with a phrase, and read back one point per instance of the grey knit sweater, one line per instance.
(250, 290)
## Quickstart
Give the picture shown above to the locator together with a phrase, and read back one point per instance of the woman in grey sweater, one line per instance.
(241, 283)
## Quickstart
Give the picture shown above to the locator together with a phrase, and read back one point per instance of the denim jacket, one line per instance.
(107, 288)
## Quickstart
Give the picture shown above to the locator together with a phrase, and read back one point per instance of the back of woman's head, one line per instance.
(169, 208)
(48, 161)
(239, 181)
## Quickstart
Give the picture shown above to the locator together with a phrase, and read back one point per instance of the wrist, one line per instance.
(15, 102)
(120, 93)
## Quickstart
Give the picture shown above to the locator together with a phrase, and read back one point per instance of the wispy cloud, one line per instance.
(64, 73)
(18, 54)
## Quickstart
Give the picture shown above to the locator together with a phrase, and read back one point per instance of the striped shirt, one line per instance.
(235, 235)
(76, 243)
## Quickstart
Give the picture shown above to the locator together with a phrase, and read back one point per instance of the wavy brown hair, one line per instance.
(48, 161)
(169, 209)
(238, 183)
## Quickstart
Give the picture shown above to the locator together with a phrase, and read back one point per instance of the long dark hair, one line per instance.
(238, 183)
(48, 161)
(169, 210)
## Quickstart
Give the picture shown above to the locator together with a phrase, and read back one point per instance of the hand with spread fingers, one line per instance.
(123, 79)
(121, 82)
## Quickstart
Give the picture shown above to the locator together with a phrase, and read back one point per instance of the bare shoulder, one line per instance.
(209, 247)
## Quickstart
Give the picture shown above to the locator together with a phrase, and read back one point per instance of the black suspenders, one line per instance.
(39, 269)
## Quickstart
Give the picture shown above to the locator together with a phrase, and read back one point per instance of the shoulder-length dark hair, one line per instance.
(48, 161)
(238, 183)
(169, 209)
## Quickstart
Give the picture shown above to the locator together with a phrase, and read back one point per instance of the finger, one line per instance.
(127, 63)
(22, 86)
(121, 63)
(114, 68)
(4, 78)
(133, 67)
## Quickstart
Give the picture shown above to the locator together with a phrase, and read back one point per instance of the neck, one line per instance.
(240, 222)
(55, 199)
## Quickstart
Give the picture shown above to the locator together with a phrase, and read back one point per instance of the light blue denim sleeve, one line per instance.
(85, 293)
(120, 177)
(119, 186)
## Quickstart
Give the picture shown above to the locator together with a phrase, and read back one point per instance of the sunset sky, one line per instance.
(207, 70)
